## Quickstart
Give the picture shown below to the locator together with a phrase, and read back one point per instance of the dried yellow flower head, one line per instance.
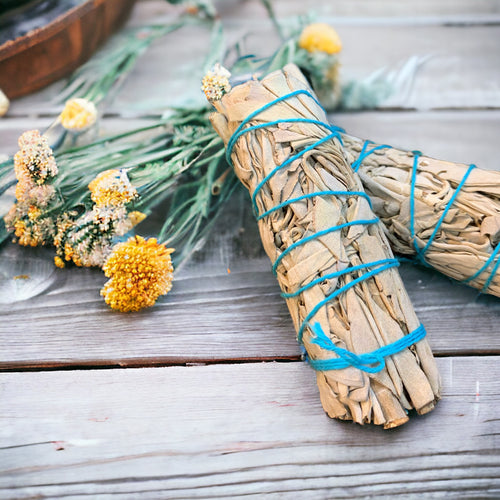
(216, 83)
(112, 188)
(320, 37)
(58, 262)
(78, 115)
(140, 270)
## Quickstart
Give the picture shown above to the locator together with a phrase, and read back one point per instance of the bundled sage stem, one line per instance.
(330, 254)
(448, 217)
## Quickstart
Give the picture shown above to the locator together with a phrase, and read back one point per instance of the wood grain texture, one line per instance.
(232, 431)
(457, 136)
(411, 9)
(210, 315)
(463, 71)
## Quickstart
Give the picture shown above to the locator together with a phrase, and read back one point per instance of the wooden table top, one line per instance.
(205, 395)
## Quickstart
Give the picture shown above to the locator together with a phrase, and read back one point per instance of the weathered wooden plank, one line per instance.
(211, 315)
(57, 318)
(75, 327)
(459, 136)
(238, 430)
(358, 8)
(462, 72)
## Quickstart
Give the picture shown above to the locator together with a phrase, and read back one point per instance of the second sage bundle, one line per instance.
(329, 252)
(445, 215)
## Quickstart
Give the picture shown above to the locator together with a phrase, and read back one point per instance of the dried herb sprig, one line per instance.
(102, 75)
(175, 164)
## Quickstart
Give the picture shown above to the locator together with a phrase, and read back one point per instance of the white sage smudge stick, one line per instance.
(445, 214)
(330, 254)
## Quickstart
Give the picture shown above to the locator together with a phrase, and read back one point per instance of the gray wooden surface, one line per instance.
(205, 395)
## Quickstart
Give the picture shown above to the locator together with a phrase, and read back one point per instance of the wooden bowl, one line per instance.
(46, 54)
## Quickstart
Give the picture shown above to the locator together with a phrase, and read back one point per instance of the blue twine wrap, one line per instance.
(367, 152)
(371, 362)
(487, 283)
(421, 251)
(368, 362)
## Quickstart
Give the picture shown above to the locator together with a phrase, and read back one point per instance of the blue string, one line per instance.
(492, 257)
(318, 234)
(491, 276)
(267, 106)
(336, 293)
(371, 362)
(448, 206)
(336, 274)
(313, 195)
(420, 252)
(239, 132)
(346, 358)
(286, 163)
(364, 153)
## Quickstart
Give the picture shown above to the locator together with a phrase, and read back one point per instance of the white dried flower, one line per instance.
(78, 115)
(216, 83)
(4, 103)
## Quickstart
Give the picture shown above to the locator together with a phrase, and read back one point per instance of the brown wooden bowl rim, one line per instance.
(12, 47)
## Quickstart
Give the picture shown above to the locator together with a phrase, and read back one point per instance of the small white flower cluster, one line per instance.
(88, 240)
(216, 83)
(35, 167)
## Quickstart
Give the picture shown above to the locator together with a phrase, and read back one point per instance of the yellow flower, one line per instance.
(59, 262)
(140, 270)
(320, 37)
(136, 217)
(216, 83)
(34, 212)
(78, 115)
(25, 236)
(112, 188)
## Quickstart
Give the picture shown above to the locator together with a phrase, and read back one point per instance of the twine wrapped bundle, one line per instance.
(446, 215)
(329, 252)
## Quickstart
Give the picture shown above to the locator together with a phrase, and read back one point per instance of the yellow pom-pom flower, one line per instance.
(140, 270)
(320, 37)
(112, 188)
(78, 115)
(216, 83)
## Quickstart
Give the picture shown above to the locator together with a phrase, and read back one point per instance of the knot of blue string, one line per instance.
(369, 362)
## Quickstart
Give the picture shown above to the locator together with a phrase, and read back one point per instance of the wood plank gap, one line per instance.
(137, 363)
(10, 367)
